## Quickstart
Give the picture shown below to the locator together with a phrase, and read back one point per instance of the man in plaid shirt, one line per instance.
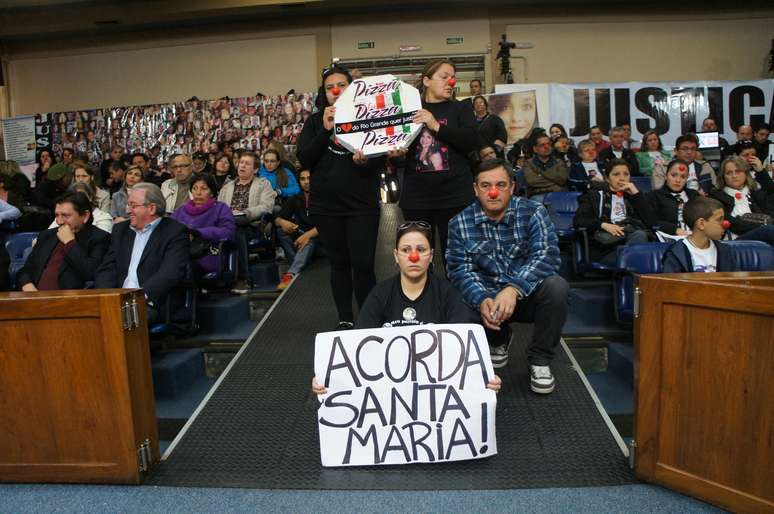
(503, 257)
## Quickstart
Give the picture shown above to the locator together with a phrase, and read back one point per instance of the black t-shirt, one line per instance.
(438, 172)
(439, 302)
(297, 209)
(339, 186)
(490, 128)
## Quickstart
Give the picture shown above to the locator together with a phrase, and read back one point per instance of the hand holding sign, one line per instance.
(328, 115)
(426, 117)
(405, 395)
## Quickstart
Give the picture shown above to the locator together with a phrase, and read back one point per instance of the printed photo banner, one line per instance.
(669, 108)
(374, 115)
(160, 130)
(405, 395)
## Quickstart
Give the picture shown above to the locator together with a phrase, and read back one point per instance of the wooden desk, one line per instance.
(76, 390)
(704, 387)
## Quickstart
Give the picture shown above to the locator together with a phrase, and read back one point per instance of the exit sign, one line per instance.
(364, 45)
(454, 40)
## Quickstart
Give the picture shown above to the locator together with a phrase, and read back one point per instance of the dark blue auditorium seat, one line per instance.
(752, 255)
(561, 207)
(644, 184)
(227, 266)
(644, 259)
(19, 247)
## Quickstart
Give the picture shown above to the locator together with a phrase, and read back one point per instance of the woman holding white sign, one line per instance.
(414, 296)
(344, 198)
(438, 181)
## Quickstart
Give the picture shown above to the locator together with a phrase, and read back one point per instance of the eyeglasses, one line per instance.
(133, 205)
(180, 166)
(411, 224)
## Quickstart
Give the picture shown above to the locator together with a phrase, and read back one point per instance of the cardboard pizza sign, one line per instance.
(374, 115)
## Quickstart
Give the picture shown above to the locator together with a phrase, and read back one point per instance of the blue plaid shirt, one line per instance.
(485, 256)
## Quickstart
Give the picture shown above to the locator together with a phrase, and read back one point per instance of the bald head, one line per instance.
(744, 133)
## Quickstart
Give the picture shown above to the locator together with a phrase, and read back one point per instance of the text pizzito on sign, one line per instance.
(361, 89)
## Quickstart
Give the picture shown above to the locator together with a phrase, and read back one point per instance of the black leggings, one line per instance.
(350, 242)
(438, 220)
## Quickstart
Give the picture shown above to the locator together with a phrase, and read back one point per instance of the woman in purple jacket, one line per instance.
(207, 219)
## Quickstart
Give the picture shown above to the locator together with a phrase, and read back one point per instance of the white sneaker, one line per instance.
(541, 380)
(499, 355)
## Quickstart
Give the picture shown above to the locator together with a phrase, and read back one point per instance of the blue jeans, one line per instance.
(297, 259)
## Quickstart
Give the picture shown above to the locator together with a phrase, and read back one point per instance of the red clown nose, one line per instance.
(336, 91)
(493, 194)
(619, 194)
(726, 224)
(414, 256)
(451, 81)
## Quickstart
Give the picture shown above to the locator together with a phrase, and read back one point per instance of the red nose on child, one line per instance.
(726, 224)
(414, 256)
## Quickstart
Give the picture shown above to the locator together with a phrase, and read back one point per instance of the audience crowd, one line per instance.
(129, 220)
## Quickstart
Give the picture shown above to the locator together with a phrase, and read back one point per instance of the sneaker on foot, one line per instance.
(541, 380)
(345, 325)
(240, 287)
(499, 355)
(285, 281)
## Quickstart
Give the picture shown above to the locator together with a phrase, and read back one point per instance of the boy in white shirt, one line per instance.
(702, 250)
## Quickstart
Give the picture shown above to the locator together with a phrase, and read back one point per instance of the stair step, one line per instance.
(594, 306)
(620, 361)
(175, 371)
(222, 313)
(264, 275)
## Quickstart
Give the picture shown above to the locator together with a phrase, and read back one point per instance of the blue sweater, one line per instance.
(285, 192)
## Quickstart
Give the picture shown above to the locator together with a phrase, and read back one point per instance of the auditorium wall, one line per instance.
(163, 74)
(570, 45)
(640, 48)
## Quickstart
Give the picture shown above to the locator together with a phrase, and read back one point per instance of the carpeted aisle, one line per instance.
(259, 428)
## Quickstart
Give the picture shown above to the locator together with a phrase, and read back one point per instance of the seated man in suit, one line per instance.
(148, 251)
(65, 257)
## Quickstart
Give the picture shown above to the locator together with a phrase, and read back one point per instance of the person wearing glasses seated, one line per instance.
(177, 190)
(282, 179)
(415, 296)
(149, 251)
(503, 257)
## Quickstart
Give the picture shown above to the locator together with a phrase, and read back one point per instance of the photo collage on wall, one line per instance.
(161, 130)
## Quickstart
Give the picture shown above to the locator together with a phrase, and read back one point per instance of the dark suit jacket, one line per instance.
(626, 154)
(162, 265)
(79, 263)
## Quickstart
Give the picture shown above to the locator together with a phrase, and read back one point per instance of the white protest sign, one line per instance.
(374, 115)
(405, 395)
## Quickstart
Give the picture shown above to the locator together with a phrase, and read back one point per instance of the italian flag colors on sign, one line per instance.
(393, 99)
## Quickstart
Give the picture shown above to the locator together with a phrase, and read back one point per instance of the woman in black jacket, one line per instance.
(743, 201)
(615, 215)
(668, 202)
(344, 199)
(436, 194)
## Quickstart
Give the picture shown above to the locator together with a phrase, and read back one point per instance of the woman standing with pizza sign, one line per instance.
(438, 182)
(344, 198)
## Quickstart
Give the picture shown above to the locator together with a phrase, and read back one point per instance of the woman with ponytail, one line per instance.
(344, 198)
(436, 193)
